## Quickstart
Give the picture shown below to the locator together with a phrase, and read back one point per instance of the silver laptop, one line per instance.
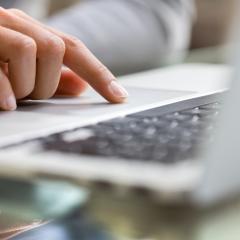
(177, 145)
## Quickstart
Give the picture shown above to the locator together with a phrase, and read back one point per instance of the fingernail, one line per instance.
(117, 90)
(9, 103)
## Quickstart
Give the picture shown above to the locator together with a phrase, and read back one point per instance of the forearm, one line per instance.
(129, 35)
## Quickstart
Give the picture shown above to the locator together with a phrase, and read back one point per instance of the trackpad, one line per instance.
(93, 105)
(39, 117)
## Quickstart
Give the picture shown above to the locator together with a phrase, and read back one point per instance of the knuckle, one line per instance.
(16, 11)
(53, 45)
(25, 45)
(3, 13)
(74, 42)
(101, 70)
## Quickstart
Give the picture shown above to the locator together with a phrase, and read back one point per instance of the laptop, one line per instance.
(165, 141)
(176, 139)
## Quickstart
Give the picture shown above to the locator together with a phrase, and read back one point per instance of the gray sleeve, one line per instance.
(7, 4)
(130, 35)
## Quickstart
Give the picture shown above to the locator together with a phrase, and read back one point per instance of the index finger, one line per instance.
(80, 59)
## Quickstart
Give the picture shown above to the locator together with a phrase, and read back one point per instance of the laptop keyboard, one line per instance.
(146, 136)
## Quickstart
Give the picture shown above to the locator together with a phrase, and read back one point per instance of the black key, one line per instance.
(178, 116)
(166, 138)
(197, 111)
(212, 106)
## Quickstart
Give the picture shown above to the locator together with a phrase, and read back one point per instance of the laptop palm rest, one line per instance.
(38, 118)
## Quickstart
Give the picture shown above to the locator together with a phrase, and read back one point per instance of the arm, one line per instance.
(130, 35)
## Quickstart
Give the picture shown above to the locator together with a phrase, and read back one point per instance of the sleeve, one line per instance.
(130, 35)
(7, 4)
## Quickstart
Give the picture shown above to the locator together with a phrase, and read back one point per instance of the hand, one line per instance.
(31, 60)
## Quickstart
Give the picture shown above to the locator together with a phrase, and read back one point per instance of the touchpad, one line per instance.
(38, 117)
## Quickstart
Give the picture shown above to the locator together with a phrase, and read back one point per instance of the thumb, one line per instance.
(70, 84)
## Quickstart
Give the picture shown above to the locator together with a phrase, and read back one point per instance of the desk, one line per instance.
(108, 217)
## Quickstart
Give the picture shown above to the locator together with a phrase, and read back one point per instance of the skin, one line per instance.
(32, 56)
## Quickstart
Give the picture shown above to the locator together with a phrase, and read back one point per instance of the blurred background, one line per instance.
(211, 24)
(209, 34)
